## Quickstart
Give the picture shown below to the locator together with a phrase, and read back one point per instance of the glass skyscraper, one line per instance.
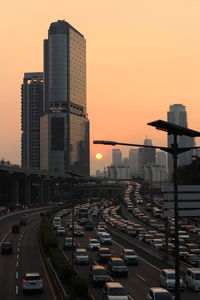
(177, 115)
(64, 125)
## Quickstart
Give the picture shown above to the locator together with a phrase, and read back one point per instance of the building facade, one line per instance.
(177, 115)
(116, 157)
(31, 111)
(64, 124)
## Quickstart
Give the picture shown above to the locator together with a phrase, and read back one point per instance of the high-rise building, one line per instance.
(116, 157)
(146, 156)
(31, 104)
(65, 125)
(177, 115)
(161, 159)
(133, 161)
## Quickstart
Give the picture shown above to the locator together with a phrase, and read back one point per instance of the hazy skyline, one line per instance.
(142, 56)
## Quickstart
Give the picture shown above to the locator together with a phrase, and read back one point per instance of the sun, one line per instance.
(99, 156)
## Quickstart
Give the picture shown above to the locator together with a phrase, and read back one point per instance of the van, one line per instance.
(105, 238)
(167, 279)
(192, 278)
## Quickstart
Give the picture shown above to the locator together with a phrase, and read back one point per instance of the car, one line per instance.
(130, 256)
(99, 231)
(15, 228)
(78, 231)
(60, 230)
(192, 277)
(98, 275)
(167, 279)
(69, 243)
(105, 238)
(6, 248)
(193, 248)
(114, 290)
(23, 221)
(192, 259)
(32, 282)
(104, 254)
(89, 225)
(93, 244)
(81, 256)
(158, 293)
(117, 266)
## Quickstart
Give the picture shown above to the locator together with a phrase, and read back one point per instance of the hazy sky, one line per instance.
(142, 56)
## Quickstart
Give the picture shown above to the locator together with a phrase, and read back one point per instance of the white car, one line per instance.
(130, 256)
(159, 293)
(93, 244)
(81, 256)
(114, 291)
(99, 231)
(60, 230)
(32, 282)
(167, 279)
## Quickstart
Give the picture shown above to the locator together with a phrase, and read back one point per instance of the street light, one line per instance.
(174, 150)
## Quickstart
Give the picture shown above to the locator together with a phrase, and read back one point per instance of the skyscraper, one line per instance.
(177, 115)
(65, 125)
(31, 104)
(116, 157)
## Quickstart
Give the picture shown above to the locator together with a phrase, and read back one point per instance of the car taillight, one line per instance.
(39, 280)
(25, 281)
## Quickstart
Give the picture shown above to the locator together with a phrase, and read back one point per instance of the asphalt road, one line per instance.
(25, 258)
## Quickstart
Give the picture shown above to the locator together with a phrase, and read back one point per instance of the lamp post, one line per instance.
(174, 150)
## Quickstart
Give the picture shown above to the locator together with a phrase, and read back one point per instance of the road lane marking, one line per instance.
(144, 260)
(17, 256)
(141, 277)
(4, 237)
(17, 264)
(17, 275)
(17, 290)
(18, 249)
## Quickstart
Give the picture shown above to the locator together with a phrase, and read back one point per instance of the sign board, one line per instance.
(188, 200)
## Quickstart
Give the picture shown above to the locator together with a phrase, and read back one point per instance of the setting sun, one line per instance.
(99, 156)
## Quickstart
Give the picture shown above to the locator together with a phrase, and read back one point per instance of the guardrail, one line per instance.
(57, 285)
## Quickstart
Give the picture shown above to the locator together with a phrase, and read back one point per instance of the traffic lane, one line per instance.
(7, 222)
(8, 269)
(141, 277)
(29, 260)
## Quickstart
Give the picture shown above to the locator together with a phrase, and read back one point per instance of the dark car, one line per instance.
(15, 228)
(98, 275)
(193, 260)
(104, 254)
(117, 266)
(89, 225)
(23, 221)
(6, 248)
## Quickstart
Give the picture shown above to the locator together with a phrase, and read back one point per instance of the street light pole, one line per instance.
(176, 220)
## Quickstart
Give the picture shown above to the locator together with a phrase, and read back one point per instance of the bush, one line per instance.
(48, 237)
(60, 264)
(80, 288)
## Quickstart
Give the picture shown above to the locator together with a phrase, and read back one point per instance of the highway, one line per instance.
(25, 257)
(140, 277)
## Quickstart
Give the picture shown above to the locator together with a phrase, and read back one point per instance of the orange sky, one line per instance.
(142, 56)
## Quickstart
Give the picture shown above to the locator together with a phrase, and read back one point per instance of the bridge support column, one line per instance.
(27, 190)
(42, 188)
(15, 190)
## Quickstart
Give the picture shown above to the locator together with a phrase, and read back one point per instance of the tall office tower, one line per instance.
(133, 160)
(116, 157)
(149, 154)
(177, 115)
(31, 104)
(161, 159)
(146, 156)
(65, 125)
